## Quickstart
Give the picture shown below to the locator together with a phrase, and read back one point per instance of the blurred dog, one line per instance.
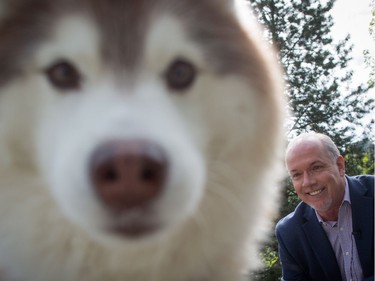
(139, 140)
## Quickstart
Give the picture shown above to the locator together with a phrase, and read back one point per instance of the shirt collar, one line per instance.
(346, 194)
(345, 199)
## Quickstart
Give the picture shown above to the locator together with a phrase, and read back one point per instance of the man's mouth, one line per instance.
(315, 192)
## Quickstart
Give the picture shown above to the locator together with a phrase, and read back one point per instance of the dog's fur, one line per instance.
(222, 137)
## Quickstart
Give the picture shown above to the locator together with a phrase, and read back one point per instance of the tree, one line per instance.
(319, 87)
(369, 59)
(359, 158)
(315, 67)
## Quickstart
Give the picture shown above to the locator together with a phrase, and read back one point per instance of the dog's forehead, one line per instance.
(123, 27)
(122, 24)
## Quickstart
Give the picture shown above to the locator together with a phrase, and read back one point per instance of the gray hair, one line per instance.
(327, 142)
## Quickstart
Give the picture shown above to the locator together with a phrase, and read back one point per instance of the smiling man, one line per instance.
(330, 235)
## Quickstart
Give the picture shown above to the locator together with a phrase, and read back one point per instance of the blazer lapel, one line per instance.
(321, 246)
(363, 222)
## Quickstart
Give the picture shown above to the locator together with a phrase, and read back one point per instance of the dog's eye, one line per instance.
(64, 76)
(180, 75)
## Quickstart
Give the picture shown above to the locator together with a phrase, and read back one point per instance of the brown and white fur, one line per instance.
(186, 85)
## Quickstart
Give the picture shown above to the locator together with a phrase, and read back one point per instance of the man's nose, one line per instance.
(307, 179)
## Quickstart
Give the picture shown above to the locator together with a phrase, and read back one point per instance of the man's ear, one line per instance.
(340, 162)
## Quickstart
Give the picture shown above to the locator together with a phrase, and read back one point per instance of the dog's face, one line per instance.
(124, 107)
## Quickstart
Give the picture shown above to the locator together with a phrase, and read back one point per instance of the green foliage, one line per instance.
(271, 261)
(370, 63)
(321, 93)
(359, 158)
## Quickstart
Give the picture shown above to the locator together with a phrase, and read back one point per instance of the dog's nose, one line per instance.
(128, 174)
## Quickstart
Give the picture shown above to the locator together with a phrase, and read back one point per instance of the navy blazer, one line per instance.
(304, 249)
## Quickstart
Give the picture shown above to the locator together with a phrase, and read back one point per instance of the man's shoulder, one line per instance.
(365, 182)
(294, 219)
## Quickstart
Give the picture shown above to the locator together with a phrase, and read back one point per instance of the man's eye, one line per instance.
(296, 176)
(317, 168)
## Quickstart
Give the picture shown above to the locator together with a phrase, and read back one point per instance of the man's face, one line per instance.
(318, 179)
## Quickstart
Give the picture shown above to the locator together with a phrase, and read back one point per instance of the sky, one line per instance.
(353, 17)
